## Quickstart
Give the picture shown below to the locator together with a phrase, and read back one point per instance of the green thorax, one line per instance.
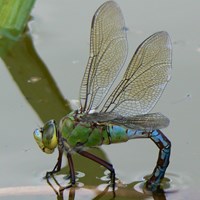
(75, 133)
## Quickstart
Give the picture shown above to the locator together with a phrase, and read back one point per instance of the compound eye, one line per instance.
(49, 131)
(38, 137)
(46, 137)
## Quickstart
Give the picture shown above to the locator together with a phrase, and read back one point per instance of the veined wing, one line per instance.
(145, 78)
(108, 50)
(146, 122)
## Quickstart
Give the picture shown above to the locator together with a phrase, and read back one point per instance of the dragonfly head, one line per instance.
(46, 137)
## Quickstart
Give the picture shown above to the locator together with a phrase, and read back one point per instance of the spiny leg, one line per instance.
(103, 163)
(72, 173)
(163, 143)
(71, 168)
(57, 167)
(57, 183)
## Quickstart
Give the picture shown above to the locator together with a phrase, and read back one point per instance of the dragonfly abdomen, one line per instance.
(119, 134)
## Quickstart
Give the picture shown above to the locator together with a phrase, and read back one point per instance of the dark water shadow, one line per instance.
(33, 78)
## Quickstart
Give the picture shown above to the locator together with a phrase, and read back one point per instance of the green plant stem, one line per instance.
(14, 15)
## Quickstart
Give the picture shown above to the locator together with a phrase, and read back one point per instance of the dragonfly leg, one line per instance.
(72, 173)
(163, 143)
(58, 164)
(103, 163)
(71, 168)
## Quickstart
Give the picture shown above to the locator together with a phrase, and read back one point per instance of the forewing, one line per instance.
(145, 78)
(108, 50)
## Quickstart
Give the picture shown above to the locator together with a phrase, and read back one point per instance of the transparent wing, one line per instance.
(145, 78)
(146, 122)
(108, 50)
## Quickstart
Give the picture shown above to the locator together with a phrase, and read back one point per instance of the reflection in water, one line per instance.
(104, 191)
(135, 190)
(178, 189)
(33, 78)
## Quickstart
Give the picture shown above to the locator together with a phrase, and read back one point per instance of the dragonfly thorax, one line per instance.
(76, 134)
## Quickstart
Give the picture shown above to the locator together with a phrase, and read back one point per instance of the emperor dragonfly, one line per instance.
(125, 113)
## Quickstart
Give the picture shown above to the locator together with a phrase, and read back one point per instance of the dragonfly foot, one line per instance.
(112, 179)
(153, 186)
(56, 168)
(65, 187)
(50, 173)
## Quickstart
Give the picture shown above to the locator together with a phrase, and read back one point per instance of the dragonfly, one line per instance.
(114, 113)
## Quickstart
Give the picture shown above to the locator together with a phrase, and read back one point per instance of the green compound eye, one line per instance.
(46, 137)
